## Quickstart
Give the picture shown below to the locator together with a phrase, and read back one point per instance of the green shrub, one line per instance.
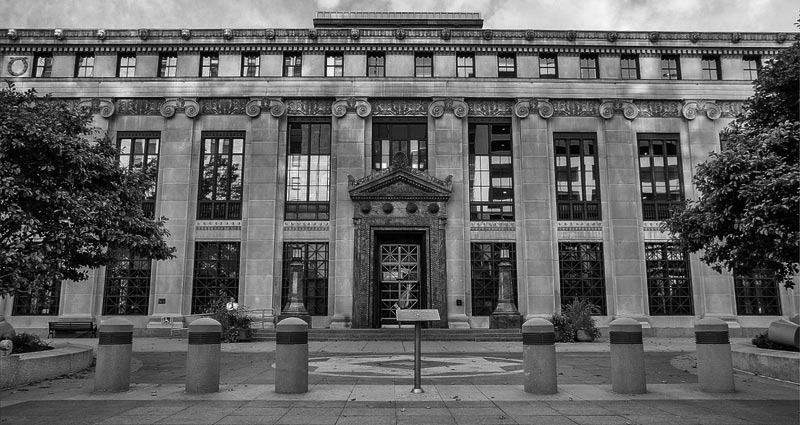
(28, 343)
(563, 328)
(574, 316)
(232, 321)
(763, 341)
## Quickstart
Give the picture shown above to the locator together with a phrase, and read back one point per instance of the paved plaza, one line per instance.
(369, 382)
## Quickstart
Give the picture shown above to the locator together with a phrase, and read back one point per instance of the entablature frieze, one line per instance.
(306, 226)
(522, 108)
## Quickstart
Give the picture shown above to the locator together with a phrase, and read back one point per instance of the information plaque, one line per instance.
(418, 315)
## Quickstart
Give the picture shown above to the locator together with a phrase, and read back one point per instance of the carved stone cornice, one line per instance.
(190, 107)
(439, 106)
(103, 107)
(306, 226)
(309, 107)
(692, 107)
(399, 107)
(490, 108)
(359, 105)
(525, 106)
(609, 107)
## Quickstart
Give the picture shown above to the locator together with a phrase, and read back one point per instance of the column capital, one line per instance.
(440, 105)
(525, 106)
(190, 107)
(101, 106)
(692, 107)
(343, 105)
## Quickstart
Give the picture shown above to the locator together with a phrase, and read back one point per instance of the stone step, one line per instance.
(400, 334)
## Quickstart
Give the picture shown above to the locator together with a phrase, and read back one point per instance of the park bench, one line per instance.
(75, 326)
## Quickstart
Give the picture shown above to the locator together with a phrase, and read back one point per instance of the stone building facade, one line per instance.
(399, 156)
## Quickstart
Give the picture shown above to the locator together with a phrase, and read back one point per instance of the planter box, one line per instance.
(21, 369)
(773, 363)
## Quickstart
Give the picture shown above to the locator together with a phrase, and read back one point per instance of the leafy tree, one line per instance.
(65, 203)
(747, 216)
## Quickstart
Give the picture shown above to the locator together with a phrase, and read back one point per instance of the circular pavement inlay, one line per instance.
(403, 365)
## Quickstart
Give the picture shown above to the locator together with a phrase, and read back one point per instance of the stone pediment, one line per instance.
(400, 183)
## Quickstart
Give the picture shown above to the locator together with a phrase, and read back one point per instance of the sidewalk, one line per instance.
(491, 394)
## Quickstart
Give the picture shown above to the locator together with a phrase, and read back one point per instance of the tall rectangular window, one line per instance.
(577, 181)
(127, 290)
(757, 294)
(313, 267)
(580, 267)
(168, 65)
(209, 64)
(465, 65)
(308, 171)
(507, 65)
(751, 65)
(629, 67)
(222, 161)
(388, 139)
(84, 65)
(669, 286)
(216, 274)
(139, 151)
(42, 65)
(710, 68)
(670, 67)
(126, 65)
(41, 302)
(334, 64)
(292, 64)
(548, 65)
(660, 174)
(485, 266)
(491, 173)
(251, 64)
(588, 64)
(423, 65)
(376, 64)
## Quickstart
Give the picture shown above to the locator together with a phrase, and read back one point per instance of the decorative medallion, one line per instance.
(102, 107)
(411, 208)
(571, 35)
(188, 106)
(186, 33)
(269, 34)
(360, 106)
(609, 107)
(387, 208)
(691, 108)
(612, 36)
(144, 33)
(487, 34)
(58, 33)
(530, 35)
(694, 37)
(101, 34)
(227, 34)
(17, 66)
(542, 106)
(12, 34)
(438, 107)
(433, 208)
(654, 37)
(312, 34)
(780, 37)
(445, 34)
(355, 34)
(736, 37)
(399, 33)
(366, 207)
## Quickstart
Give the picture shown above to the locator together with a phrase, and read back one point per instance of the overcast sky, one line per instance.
(665, 15)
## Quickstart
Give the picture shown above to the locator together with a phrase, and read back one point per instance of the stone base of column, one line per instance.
(505, 321)
(340, 321)
(458, 321)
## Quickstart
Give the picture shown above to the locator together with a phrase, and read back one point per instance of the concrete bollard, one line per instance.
(114, 346)
(291, 356)
(539, 357)
(627, 357)
(202, 356)
(714, 361)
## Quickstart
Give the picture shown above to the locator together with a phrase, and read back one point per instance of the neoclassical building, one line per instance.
(399, 157)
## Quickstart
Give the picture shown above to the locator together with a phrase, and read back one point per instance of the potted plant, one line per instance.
(235, 320)
(579, 313)
(562, 328)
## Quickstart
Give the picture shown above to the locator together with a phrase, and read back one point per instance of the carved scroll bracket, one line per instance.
(359, 105)
(439, 106)
(692, 107)
(190, 107)
(275, 105)
(609, 107)
(103, 107)
(525, 107)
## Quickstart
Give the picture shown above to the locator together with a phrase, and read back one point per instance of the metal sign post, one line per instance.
(417, 316)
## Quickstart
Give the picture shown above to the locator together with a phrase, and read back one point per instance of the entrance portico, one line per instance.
(399, 218)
